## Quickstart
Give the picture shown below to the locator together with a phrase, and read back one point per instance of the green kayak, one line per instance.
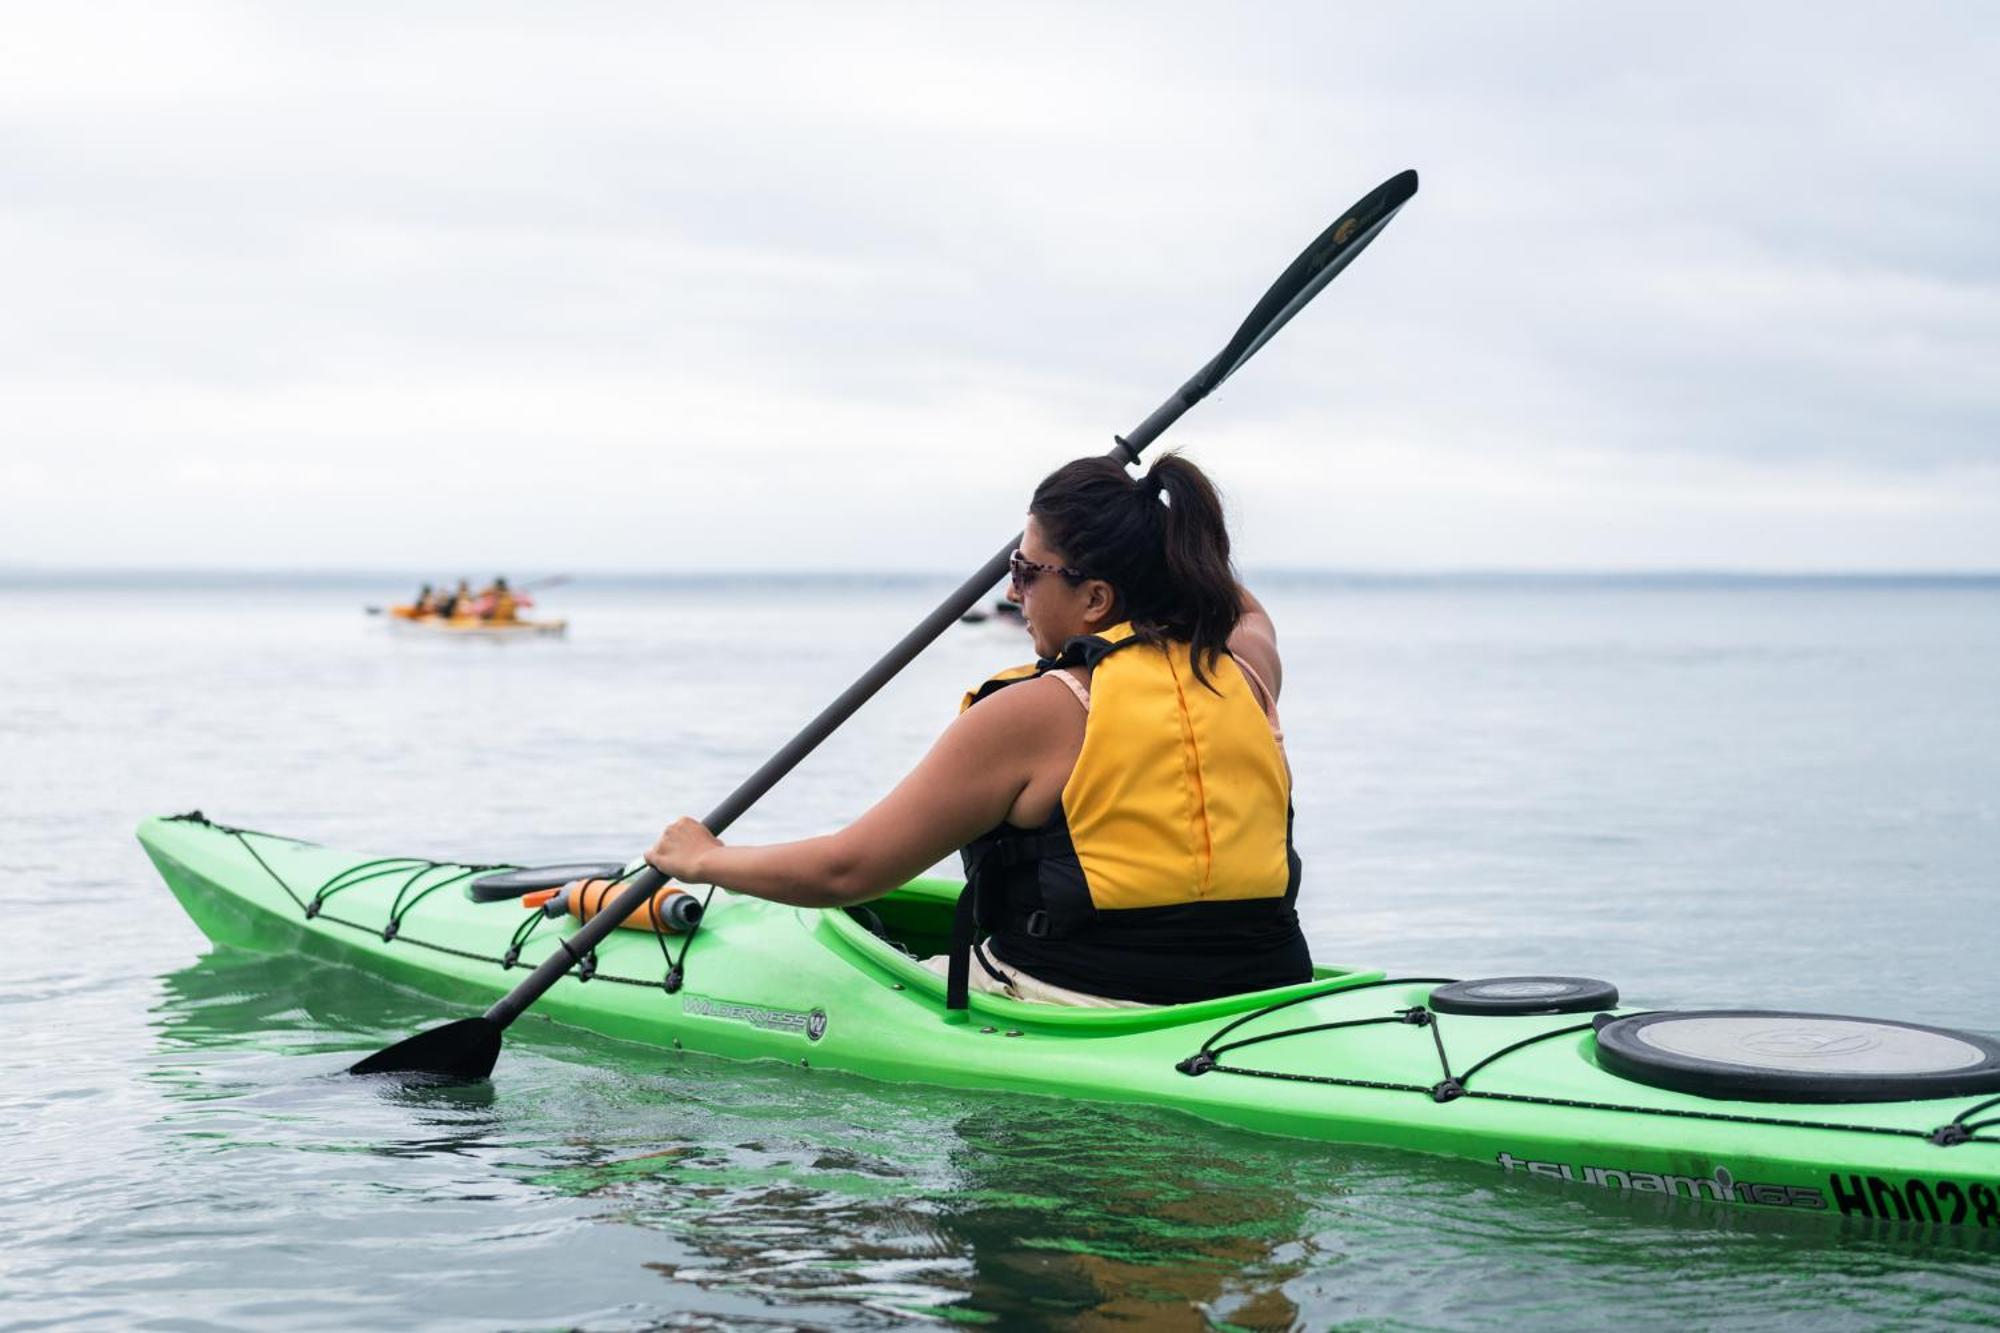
(1539, 1077)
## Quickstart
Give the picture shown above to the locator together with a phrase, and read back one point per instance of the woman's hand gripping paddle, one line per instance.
(467, 1049)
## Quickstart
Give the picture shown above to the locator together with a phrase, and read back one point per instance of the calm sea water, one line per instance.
(1752, 793)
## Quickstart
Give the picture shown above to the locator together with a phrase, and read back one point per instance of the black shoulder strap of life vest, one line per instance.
(1085, 650)
(964, 934)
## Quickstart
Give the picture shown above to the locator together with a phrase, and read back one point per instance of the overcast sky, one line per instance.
(652, 286)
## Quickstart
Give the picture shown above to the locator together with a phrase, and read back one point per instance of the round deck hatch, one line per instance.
(1525, 995)
(1756, 1055)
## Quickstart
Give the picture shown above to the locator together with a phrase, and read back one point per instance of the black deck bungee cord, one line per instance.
(1446, 1088)
(1957, 1130)
(380, 868)
(197, 817)
(1986, 1105)
(1331, 988)
(311, 909)
(398, 909)
(1449, 1088)
(1206, 1058)
(522, 934)
(1509, 1050)
(677, 973)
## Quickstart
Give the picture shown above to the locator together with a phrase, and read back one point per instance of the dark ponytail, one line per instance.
(1158, 540)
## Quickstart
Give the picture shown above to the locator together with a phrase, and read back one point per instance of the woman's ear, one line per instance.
(1101, 605)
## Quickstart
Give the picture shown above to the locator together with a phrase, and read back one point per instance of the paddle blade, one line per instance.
(1332, 251)
(462, 1052)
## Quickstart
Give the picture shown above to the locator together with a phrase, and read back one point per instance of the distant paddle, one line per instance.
(467, 1049)
(532, 585)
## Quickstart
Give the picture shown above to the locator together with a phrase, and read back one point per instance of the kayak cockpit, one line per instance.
(891, 934)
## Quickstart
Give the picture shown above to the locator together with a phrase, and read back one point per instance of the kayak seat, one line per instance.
(915, 918)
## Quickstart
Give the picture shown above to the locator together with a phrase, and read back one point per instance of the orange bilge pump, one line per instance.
(672, 910)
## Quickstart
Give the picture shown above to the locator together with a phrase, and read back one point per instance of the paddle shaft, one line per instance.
(643, 885)
(1312, 270)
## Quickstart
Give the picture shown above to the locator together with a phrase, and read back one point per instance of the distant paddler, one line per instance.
(458, 602)
(499, 604)
(424, 604)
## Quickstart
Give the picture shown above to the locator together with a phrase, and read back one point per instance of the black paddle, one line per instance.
(468, 1048)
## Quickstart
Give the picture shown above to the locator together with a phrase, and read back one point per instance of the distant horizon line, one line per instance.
(214, 575)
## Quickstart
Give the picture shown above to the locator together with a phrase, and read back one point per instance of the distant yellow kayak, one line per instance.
(406, 618)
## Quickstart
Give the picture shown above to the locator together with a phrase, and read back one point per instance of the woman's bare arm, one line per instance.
(1256, 641)
(963, 787)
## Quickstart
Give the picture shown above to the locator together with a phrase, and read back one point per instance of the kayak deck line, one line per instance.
(1524, 1091)
(1451, 1089)
(1958, 1131)
(312, 908)
(1451, 1086)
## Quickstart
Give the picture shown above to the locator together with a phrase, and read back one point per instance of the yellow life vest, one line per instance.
(1167, 872)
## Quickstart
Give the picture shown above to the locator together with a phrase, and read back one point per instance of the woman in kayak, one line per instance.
(1123, 806)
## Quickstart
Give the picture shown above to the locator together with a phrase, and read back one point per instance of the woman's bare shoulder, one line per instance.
(1026, 703)
(1255, 645)
(1005, 738)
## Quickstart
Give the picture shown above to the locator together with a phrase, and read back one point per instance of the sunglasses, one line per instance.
(1023, 571)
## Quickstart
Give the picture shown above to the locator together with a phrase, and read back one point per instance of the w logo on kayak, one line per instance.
(816, 1025)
